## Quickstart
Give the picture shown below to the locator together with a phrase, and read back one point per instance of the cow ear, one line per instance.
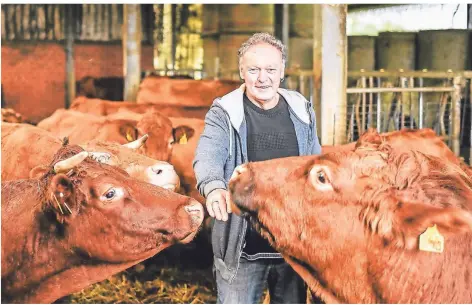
(414, 219)
(38, 171)
(403, 222)
(62, 197)
(183, 133)
(130, 132)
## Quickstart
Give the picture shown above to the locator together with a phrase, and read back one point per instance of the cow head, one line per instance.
(100, 213)
(317, 209)
(126, 157)
(162, 135)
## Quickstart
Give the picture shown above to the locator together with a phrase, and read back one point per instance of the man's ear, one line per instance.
(38, 171)
(182, 134)
(61, 195)
(241, 74)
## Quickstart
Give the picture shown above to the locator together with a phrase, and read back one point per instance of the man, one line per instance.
(258, 121)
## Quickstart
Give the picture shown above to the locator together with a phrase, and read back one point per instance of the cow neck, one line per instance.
(74, 279)
(413, 276)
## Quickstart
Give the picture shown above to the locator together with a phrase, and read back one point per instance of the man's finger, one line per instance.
(216, 209)
(224, 213)
(228, 202)
(210, 209)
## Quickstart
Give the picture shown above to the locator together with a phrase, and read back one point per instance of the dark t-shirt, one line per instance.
(270, 135)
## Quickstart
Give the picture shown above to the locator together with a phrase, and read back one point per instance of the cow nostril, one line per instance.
(159, 171)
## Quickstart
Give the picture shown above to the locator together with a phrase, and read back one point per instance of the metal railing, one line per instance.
(392, 100)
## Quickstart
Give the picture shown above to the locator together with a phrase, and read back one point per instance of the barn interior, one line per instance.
(362, 65)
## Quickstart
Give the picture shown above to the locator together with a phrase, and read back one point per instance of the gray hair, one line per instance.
(263, 38)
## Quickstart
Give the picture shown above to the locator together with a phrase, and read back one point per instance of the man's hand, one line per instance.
(218, 204)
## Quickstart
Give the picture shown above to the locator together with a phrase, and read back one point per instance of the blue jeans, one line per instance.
(285, 285)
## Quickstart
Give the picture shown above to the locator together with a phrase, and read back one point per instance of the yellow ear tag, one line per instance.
(183, 139)
(129, 137)
(431, 240)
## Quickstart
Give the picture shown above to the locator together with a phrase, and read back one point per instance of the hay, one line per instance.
(152, 284)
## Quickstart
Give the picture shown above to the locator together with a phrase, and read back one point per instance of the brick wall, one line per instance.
(33, 73)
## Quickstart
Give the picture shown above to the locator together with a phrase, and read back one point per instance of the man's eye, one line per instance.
(253, 71)
(271, 71)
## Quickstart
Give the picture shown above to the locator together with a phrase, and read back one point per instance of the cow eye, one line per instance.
(110, 194)
(321, 177)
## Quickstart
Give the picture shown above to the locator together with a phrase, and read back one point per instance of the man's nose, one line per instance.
(262, 76)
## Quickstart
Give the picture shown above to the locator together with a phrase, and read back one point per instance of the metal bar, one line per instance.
(470, 105)
(415, 74)
(411, 84)
(396, 89)
(379, 106)
(421, 105)
(456, 116)
(362, 128)
(371, 101)
(402, 104)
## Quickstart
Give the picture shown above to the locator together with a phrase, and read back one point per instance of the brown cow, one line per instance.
(182, 92)
(81, 223)
(349, 222)
(183, 152)
(103, 107)
(83, 127)
(26, 149)
(424, 140)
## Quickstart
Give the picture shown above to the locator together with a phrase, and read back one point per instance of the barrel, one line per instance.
(396, 50)
(360, 53)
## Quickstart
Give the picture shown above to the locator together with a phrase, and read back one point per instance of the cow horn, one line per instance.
(137, 143)
(67, 164)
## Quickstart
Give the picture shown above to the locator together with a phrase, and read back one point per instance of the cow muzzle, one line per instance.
(196, 212)
(241, 189)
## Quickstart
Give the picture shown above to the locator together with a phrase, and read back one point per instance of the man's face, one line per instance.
(261, 68)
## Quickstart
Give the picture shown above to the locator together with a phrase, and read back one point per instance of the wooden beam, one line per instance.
(469, 16)
(334, 79)
(131, 50)
(69, 49)
(317, 63)
(173, 10)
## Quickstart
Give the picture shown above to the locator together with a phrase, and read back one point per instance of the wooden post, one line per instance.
(334, 79)
(317, 63)
(131, 50)
(469, 16)
(69, 49)
(173, 44)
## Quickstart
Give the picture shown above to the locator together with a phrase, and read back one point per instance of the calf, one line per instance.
(349, 222)
(82, 127)
(82, 222)
(26, 151)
